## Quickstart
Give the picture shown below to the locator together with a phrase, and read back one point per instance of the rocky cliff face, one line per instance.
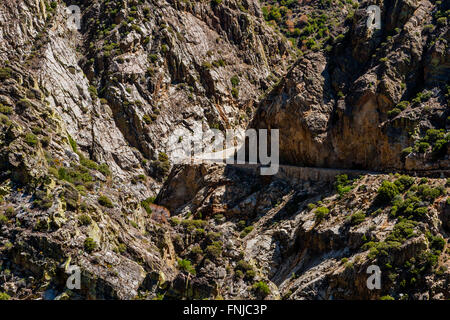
(369, 99)
(91, 119)
(308, 238)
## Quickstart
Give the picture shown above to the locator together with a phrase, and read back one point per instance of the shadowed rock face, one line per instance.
(332, 108)
(89, 119)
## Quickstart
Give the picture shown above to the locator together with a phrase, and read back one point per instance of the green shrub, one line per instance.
(422, 97)
(320, 213)
(243, 266)
(387, 192)
(250, 274)
(147, 119)
(311, 43)
(357, 218)
(4, 296)
(43, 204)
(246, 231)
(219, 63)
(404, 183)
(197, 250)
(138, 178)
(235, 93)
(349, 265)
(105, 201)
(442, 21)
(185, 265)
(104, 169)
(339, 38)
(88, 163)
(394, 112)
(134, 224)
(77, 175)
(5, 109)
(234, 81)
(200, 232)
(93, 92)
(31, 139)
(163, 157)
(422, 147)
(3, 219)
(239, 274)
(36, 130)
(342, 184)
(420, 213)
(85, 220)
(213, 236)
(121, 248)
(428, 193)
(434, 134)
(261, 289)
(341, 179)
(193, 223)
(5, 120)
(89, 245)
(136, 28)
(9, 212)
(5, 73)
(438, 243)
(215, 249)
(146, 204)
(412, 207)
(378, 248)
(241, 225)
(404, 229)
(206, 65)
(432, 260)
(402, 105)
(174, 221)
(72, 143)
(440, 147)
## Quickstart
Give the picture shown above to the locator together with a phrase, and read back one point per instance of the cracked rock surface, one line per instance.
(92, 120)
